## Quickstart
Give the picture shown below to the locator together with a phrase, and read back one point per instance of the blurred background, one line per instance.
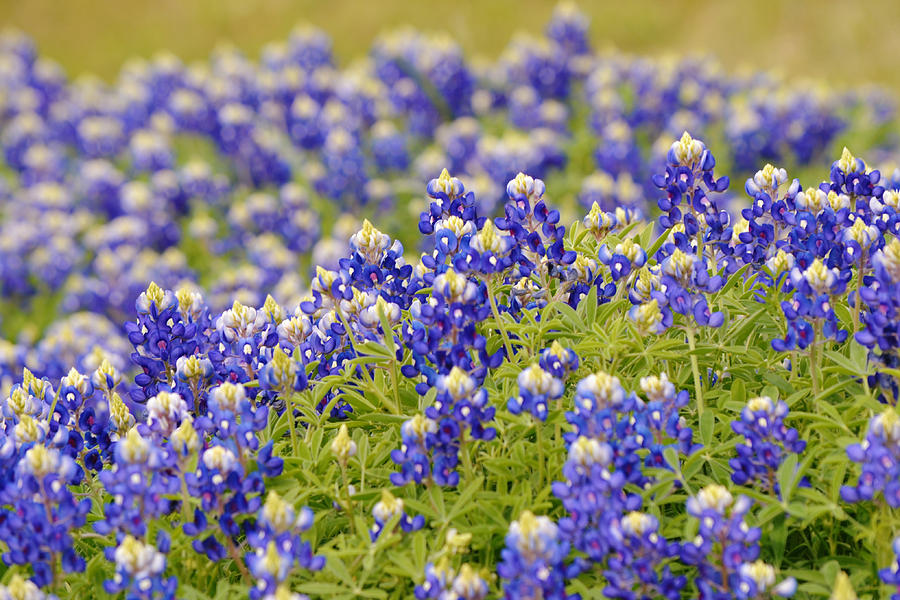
(241, 175)
(845, 43)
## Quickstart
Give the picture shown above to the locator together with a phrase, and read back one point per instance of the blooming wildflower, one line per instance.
(277, 546)
(558, 361)
(389, 507)
(725, 550)
(532, 561)
(536, 388)
(412, 457)
(140, 568)
(22, 589)
(879, 455)
(766, 439)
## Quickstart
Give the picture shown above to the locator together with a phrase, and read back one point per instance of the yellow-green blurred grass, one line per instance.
(846, 43)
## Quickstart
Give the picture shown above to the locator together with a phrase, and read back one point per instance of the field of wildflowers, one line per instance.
(424, 327)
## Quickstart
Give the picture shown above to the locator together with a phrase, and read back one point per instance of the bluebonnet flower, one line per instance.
(660, 417)
(593, 496)
(532, 561)
(437, 577)
(633, 568)
(443, 583)
(568, 27)
(811, 307)
(449, 199)
(282, 373)
(343, 167)
(689, 180)
(879, 455)
(891, 575)
(536, 388)
(623, 259)
(488, 252)
(650, 317)
(881, 302)
(617, 152)
(23, 589)
(459, 408)
(141, 482)
(42, 511)
(766, 440)
(726, 550)
(599, 223)
(686, 279)
(160, 336)
(536, 62)
(277, 546)
(165, 411)
(226, 493)
(388, 147)
(140, 569)
(442, 333)
(560, 362)
(389, 507)
(150, 151)
(413, 455)
(534, 225)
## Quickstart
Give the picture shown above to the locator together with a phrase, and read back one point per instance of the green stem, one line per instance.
(859, 284)
(395, 382)
(882, 532)
(815, 357)
(695, 370)
(238, 560)
(185, 497)
(540, 447)
(496, 312)
(289, 408)
(466, 457)
(348, 502)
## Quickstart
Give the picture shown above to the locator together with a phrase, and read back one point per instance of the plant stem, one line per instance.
(496, 312)
(395, 382)
(540, 444)
(695, 370)
(814, 357)
(348, 502)
(185, 497)
(289, 408)
(859, 283)
(238, 559)
(466, 457)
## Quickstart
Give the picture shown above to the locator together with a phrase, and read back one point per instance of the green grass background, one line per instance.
(843, 42)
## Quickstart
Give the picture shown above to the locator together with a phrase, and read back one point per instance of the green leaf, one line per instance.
(787, 475)
(463, 502)
(707, 425)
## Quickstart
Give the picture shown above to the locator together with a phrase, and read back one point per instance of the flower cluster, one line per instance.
(532, 561)
(389, 507)
(879, 455)
(277, 548)
(432, 443)
(891, 575)
(879, 332)
(726, 550)
(766, 440)
(536, 388)
(151, 408)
